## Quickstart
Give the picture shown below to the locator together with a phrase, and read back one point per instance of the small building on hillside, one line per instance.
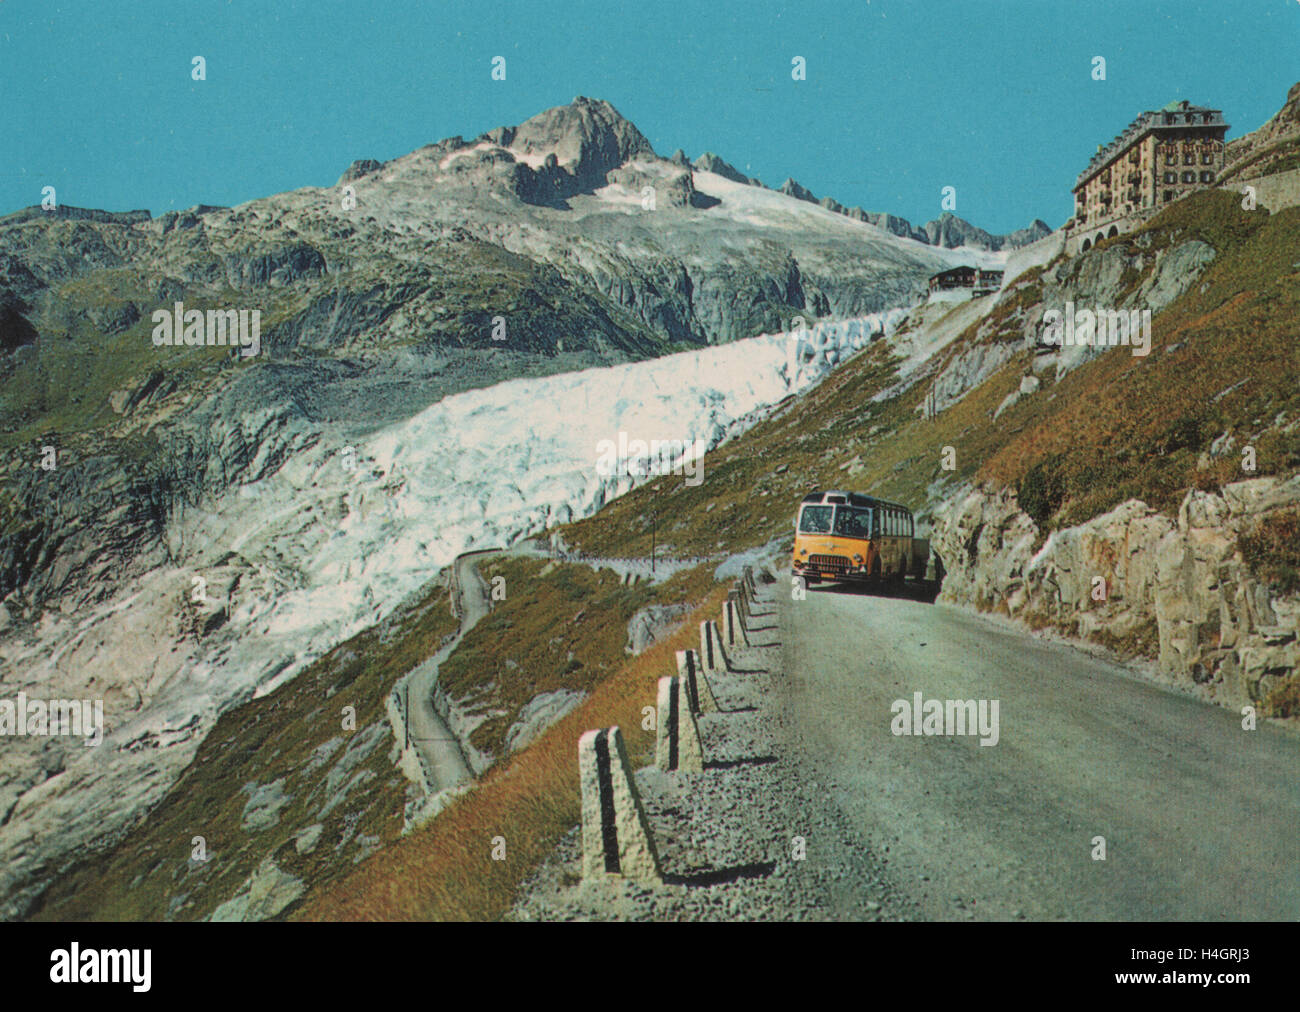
(978, 280)
(1161, 156)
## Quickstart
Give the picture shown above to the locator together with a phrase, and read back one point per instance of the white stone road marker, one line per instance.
(699, 693)
(616, 838)
(677, 747)
(733, 626)
(713, 659)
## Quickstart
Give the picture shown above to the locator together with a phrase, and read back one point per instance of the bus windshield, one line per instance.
(815, 520)
(853, 522)
(844, 521)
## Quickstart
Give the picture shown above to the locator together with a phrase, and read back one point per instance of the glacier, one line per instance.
(340, 535)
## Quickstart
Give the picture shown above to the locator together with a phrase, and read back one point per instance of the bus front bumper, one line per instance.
(810, 570)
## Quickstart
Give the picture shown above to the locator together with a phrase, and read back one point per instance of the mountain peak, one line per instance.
(709, 162)
(798, 191)
(589, 135)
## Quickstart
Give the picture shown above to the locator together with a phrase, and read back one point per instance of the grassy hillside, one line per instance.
(445, 871)
(1224, 361)
(560, 626)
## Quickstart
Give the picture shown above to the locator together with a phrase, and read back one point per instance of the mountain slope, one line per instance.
(1068, 466)
(865, 426)
(535, 249)
(1273, 148)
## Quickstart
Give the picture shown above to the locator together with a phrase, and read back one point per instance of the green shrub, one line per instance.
(1041, 490)
(1271, 548)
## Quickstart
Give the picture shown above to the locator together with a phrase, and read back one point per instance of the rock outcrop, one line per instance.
(1136, 579)
(709, 162)
(792, 189)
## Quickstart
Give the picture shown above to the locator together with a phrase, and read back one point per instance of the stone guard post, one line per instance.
(699, 693)
(677, 747)
(615, 835)
(713, 659)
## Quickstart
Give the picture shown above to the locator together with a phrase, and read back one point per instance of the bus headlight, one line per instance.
(858, 559)
(803, 551)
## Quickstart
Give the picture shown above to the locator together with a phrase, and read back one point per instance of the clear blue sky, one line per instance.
(902, 98)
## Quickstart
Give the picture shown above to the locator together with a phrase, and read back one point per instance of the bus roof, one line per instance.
(853, 499)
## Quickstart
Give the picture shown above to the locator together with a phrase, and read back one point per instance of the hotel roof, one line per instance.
(1174, 116)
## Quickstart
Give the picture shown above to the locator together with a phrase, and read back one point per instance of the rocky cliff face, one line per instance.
(1134, 578)
(1274, 147)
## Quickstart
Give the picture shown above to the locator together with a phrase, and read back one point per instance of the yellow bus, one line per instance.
(850, 536)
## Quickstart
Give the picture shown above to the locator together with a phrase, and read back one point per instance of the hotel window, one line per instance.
(1207, 159)
(1207, 177)
(1169, 195)
(1171, 177)
(1189, 159)
(1189, 177)
(1171, 159)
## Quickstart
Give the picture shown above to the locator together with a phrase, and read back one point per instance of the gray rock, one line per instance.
(263, 895)
(793, 189)
(651, 624)
(950, 232)
(1216, 624)
(265, 802)
(358, 169)
(709, 162)
(538, 714)
(306, 839)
